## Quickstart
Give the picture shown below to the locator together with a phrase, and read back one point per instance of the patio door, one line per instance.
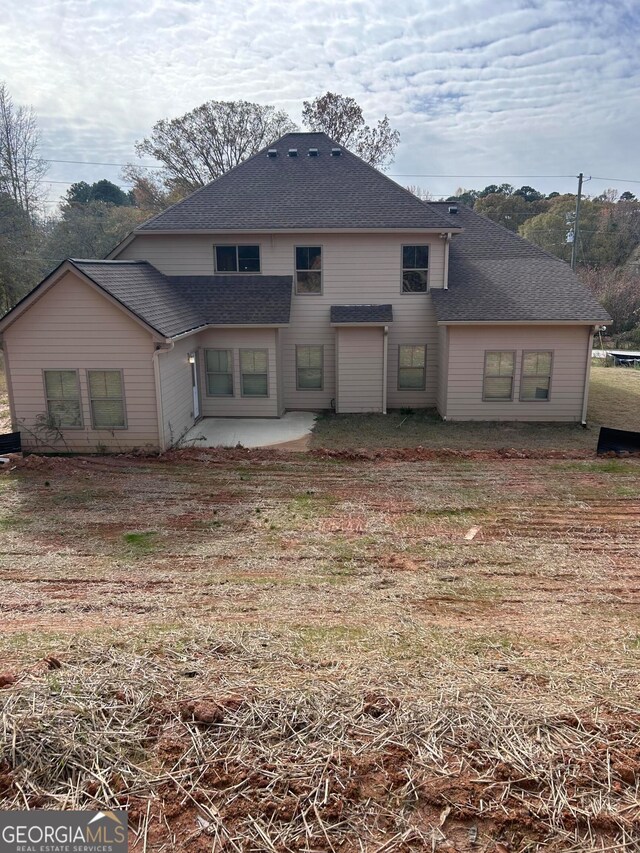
(193, 361)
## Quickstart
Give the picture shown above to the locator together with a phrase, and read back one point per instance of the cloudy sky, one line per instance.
(498, 89)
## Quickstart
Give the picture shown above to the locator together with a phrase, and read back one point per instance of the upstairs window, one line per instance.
(106, 395)
(411, 367)
(535, 382)
(308, 269)
(62, 388)
(415, 265)
(241, 258)
(498, 375)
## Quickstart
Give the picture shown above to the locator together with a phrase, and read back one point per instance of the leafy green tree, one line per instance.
(341, 118)
(627, 196)
(90, 230)
(104, 190)
(509, 210)
(529, 194)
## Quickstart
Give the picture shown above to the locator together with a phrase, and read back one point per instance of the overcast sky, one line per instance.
(487, 88)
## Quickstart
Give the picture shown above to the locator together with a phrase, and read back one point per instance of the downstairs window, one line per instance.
(106, 396)
(498, 375)
(62, 389)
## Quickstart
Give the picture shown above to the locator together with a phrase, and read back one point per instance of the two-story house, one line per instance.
(303, 279)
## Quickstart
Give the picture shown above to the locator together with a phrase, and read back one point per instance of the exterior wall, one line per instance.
(71, 326)
(467, 346)
(176, 390)
(238, 406)
(357, 268)
(360, 369)
(443, 363)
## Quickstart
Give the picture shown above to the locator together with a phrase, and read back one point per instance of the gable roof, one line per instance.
(302, 192)
(496, 275)
(174, 305)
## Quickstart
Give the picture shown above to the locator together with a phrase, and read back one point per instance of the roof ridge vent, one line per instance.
(453, 209)
(313, 152)
(293, 152)
(272, 152)
(336, 152)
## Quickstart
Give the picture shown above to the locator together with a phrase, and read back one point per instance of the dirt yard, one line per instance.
(274, 652)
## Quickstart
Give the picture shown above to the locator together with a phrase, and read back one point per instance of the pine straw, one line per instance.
(331, 764)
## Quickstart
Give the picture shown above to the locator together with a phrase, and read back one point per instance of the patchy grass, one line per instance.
(614, 401)
(5, 416)
(377, 676)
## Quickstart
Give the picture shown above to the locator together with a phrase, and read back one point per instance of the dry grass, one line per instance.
(5, 416)
(294, 654)
(615, 397)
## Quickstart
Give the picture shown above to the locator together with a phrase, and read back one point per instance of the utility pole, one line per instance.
(576, 225)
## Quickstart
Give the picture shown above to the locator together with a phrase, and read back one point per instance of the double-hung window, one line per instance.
(535, 381)
(309, 368)
(106, 396)
(242, 258)
(62, 388)
(411, 367)
(219, 369)
(498, 375)
(415, 267)
(308, 269)
(254, 374)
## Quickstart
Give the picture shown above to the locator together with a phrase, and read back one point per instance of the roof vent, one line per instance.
(453, 209)
(272, 152)
(313, 152)
(336, 152)
(293, 152)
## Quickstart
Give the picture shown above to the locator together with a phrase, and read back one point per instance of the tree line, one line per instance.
(206, 142)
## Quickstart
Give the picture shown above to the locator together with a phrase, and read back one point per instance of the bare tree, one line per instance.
(21, 169)
(421, 192)
(206, 142)
(341, 118)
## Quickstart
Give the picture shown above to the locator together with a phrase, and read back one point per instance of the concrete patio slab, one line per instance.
(252, 432)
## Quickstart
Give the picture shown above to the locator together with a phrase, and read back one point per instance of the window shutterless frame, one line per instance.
(545, 377)
(299, 352)
(414, 267)
(299, 253)
(244, 254)
(121, 398)
(244, 373)
(49, 399)
(209, 372)
(485, 376)
(413, 367)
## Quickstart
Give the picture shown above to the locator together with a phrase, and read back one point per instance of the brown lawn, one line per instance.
(283, 652)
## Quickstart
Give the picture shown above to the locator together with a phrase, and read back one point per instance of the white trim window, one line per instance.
(242, 258)
(254, 372)
(499, 368)
(412, 363)
(415, 268)
(219, 369)
(106, 397)
(309, 368)
(62, 391)
(535, 381)
(308, 269)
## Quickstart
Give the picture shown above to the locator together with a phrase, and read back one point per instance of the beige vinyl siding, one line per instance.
(356, 268)
(239, 406)
(467, 346)
(176, 389)
(441, 395)
(360, 366)
(72, 326)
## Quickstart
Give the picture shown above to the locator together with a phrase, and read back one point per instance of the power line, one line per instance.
(486, 177)
(95, 163)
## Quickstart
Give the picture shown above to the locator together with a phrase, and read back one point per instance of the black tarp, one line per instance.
(618, 441)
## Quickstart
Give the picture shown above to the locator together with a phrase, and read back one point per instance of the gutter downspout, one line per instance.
(167, 346)
(447, 240)
(587, 374)
(385, 348)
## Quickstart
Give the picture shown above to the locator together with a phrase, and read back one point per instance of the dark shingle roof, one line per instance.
(176, 304)
(300, 192)
(496, 275)
(361, 313)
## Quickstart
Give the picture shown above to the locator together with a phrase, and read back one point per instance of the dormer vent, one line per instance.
(336, 152)
(313, 152)
(453, 209)
(293, 152)
(272, 153)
